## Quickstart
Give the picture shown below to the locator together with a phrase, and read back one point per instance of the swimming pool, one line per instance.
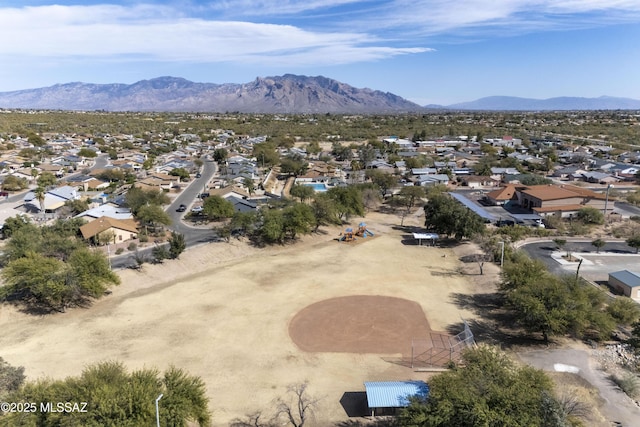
(317, 186)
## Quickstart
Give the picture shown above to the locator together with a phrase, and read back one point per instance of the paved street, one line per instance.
(614, 256)
(617, 407)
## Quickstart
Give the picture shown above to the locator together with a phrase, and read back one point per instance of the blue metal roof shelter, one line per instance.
(393, 394)
(478, 210)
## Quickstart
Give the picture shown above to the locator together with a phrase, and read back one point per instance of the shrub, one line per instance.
(143, 238)
(119, 251)
(627, 383)
(132, 246)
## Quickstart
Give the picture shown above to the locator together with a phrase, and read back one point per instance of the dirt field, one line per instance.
(224, 312)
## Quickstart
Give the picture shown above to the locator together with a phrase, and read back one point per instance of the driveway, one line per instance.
(617, 407)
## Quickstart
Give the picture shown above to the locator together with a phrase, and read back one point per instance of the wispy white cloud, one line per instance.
(156, 34)
(179, 30)
(276, 7)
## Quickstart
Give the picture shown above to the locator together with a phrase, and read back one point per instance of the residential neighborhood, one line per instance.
(226, 229)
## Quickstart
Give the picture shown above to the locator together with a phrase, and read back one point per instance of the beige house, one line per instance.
(105, 228)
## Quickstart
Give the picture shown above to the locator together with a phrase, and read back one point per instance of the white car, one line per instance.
(196, 209)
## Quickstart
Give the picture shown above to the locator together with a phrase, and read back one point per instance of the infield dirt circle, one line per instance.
(359, 324)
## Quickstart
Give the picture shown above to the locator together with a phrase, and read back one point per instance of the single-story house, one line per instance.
(477, 181)
(426, 180)
(122, 229)
(386, 397)
(108, 210)
(503, 196)
(627, 282)
(53, 199)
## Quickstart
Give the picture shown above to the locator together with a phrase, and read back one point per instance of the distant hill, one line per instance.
(281, 94)
(510, 103)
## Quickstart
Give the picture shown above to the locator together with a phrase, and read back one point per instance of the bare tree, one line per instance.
(481, 259)
(299, 406)
(253, 420)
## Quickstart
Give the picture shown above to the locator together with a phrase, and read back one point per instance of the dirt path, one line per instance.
(223, 311)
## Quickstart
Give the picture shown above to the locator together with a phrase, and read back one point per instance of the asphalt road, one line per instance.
(542, 251)
(193, 236)
(617, 407)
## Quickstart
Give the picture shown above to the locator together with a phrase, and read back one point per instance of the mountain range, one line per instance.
(511, 103)
(279, 94)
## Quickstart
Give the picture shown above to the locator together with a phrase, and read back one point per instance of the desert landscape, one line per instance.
(224, 311)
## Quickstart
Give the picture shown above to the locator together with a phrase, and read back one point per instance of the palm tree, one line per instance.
(40, 195)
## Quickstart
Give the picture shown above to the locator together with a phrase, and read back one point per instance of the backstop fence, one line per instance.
(439, 349)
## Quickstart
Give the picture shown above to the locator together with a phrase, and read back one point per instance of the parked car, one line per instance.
(196, 209)
(4, 194)
(204, 195)
(181, 208)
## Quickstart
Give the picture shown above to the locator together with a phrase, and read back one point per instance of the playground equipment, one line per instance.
(362, 230)
(350, 235)
(347, 236)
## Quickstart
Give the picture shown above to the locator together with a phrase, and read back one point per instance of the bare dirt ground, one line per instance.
(223, 312)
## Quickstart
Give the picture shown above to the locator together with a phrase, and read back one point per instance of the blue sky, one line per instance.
(428, 51)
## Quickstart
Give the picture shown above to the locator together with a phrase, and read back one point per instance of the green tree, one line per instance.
(223, 231)
(249, 185)
(589, 215)
(341, 152)
(111, 175)
(484, 165)
(160, 253)
(366, 154)
(182, 173)
(13, 183)
(25, 237)
(76, 206)
(244, 222)
(624, 310)
(303, 192)
(598, 244)
(293, 165)
(633, 241)
(177, 244)
(220, 155)
(271, 228)
(14, 223)
(634, 197)
(116, 397)
(325, 210)
(348, 201)
(217, 208)
(136, 198)
(383, 180)
(11, 378)
(531, 179)
(91, 272)
(35, 139)
(151, 215)
(446, 216)
(47, 179)
(488, 390)
(87, 152)
(410, 195)
(266, 154)
(313, 148)
(37, 280)
(298, 219)
(40, 193)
